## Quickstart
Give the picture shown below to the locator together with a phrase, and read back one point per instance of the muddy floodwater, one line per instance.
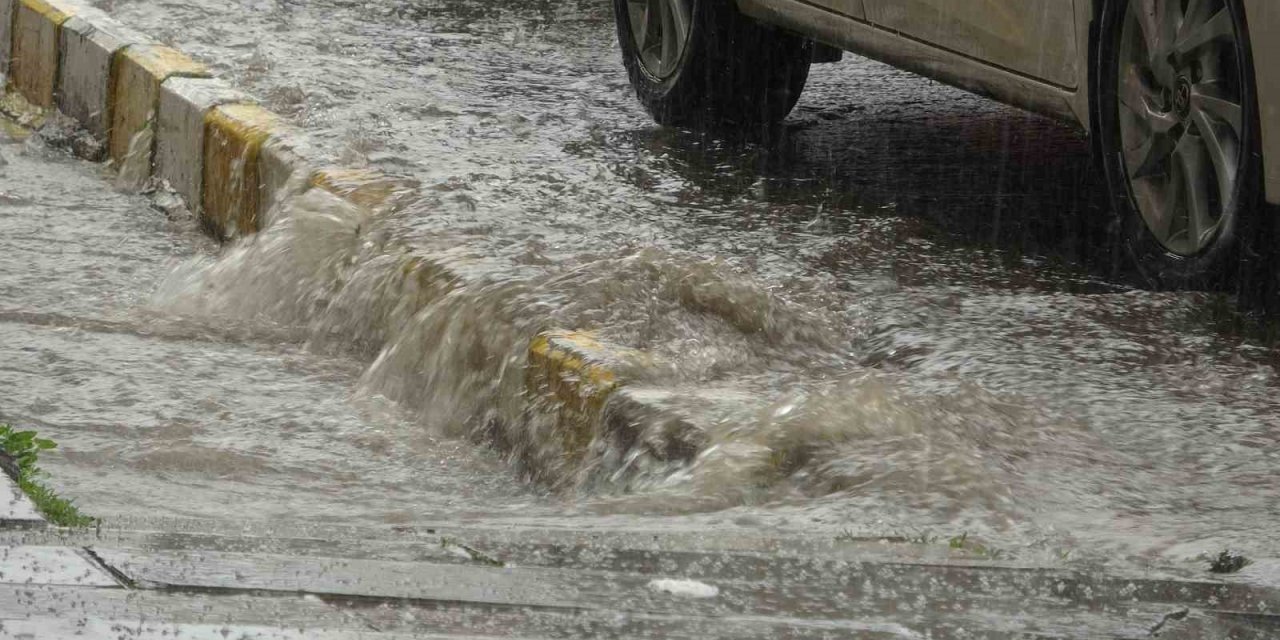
(902, 302)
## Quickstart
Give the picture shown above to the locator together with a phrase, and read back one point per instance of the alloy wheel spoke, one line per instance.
(1151, 157)
(1217, 28)
(1169, 23)
(639, 14)
(668, 36)
(651, 34)
(1211, 66)
(1145, 12)
(650, 29)
(1221, 151)
(1207, 100)
(1158, 22)
(1160, 196)
(1170, 202)
(680, 20)
(1195, 175)
(1198, 11)
(1140, 99)
(657, 27)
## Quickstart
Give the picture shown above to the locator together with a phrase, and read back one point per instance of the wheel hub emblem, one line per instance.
(1182, 98)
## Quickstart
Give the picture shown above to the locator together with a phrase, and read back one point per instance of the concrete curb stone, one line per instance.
(285, 169)
(139, 70)
(6, 41)
(180, 132)
(234, 135)
(367, 188)
(36, 25)
(90, 41)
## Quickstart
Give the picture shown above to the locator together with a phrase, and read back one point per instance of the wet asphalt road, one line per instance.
(955, 345)
(520, 106)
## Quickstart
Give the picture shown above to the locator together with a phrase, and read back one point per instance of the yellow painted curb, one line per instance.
(233, 139)
(367, 188)
(34, 67)
(562, 376)
(137, 73)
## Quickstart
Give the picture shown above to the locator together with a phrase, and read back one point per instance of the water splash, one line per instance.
(135, 167)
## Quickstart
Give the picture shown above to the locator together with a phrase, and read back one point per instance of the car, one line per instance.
(1181, 98)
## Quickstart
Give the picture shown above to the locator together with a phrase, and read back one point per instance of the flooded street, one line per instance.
(155, 416)
(898, 315)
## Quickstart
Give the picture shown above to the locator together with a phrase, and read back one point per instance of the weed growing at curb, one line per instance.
(22, 450)
(963, 543)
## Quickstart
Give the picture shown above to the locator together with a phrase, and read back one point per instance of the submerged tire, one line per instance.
(702, 64)
(1176, 113)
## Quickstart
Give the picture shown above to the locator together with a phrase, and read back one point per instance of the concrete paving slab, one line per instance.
(62, 566)
(423, 581)
(48, 627)
(921, 600)
(443, 619)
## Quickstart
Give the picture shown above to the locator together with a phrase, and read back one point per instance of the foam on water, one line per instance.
(807, 419)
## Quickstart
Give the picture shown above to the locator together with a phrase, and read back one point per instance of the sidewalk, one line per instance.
(200, 579)
(193, 579)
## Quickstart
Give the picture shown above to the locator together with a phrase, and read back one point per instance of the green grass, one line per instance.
(964, 543)
(24, 448)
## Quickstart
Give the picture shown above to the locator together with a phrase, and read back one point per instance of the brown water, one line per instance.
(895, 303)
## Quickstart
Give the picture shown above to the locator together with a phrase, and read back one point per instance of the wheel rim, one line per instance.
(1181, 117)
(660, 30)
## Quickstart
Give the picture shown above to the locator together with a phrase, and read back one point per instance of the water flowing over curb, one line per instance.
(158, 114)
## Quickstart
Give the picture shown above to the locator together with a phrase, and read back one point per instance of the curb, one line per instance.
(158, 114)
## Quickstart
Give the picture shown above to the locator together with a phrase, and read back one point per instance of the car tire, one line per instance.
(1178, 137)
(702, 64)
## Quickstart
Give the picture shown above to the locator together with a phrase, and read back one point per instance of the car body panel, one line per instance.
(962, 43)
(851, 8)
(862, 37)
(1263, 18)
(1032, 37)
